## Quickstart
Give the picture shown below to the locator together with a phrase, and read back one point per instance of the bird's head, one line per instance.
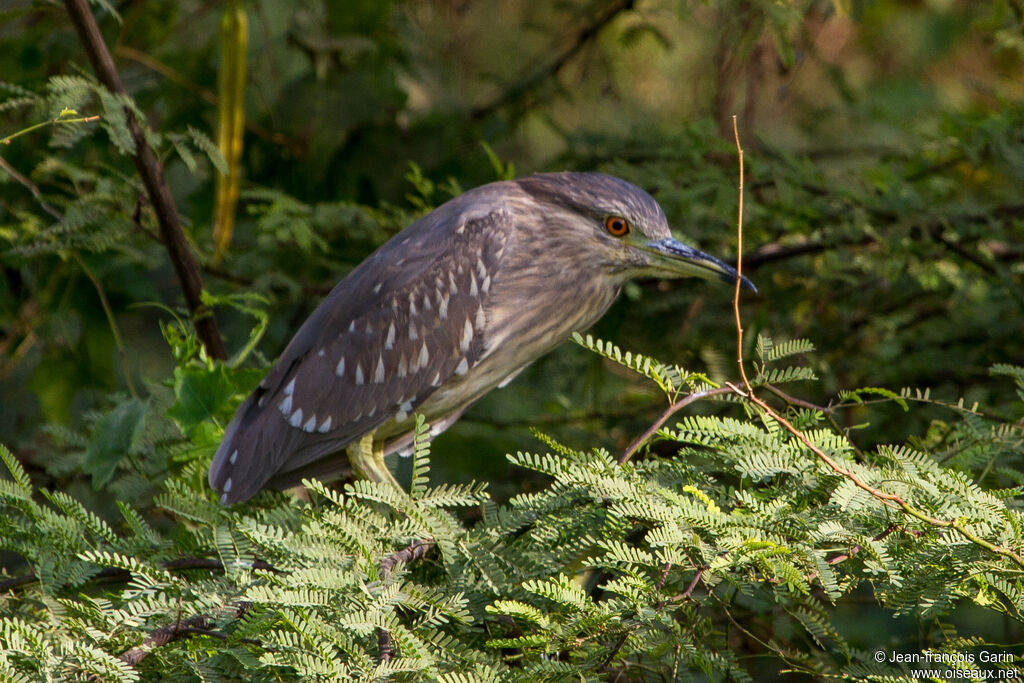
(618, 227)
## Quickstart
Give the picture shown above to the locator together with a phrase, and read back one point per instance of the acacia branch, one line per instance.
(663, 418)
(414, 551)
(199, 625)
(843, 557)
(772, 252)
(164, 635)
(152, 174)
(890, 499)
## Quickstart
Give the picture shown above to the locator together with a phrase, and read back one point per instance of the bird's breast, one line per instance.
(519, 331)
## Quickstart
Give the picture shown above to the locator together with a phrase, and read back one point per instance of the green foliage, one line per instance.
(606, 570)
(671, 379)
(883, 222)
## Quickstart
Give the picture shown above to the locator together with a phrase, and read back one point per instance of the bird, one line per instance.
(451, 307)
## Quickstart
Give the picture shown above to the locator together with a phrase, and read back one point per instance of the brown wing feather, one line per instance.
(399, 326)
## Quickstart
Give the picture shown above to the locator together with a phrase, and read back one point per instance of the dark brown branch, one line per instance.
(693, 583)
(152, 174)
(936, 232)
(793, 400)
(770, 253)
(194, 626)
(210, 563)
(31, 187)
(414, 551)
(385, 647)
(856, 548)
(223, 274)
(164, 635)
(583, 36)
(18, 581)
(664, 576)
(606, 664)
(118, 574)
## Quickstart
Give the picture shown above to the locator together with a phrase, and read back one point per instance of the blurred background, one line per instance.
(885, 161)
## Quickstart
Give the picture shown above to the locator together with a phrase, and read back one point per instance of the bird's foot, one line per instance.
(368, 462)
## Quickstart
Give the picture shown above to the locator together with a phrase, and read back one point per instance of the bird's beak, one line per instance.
(680, 259)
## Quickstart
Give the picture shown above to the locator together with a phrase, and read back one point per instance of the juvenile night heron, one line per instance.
(453, 306)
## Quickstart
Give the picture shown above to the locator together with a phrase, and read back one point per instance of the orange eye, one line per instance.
(616, 226)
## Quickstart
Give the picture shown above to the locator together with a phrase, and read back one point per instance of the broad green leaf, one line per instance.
(200, 394)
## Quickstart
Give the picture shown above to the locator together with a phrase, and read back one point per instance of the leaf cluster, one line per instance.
(642, 569)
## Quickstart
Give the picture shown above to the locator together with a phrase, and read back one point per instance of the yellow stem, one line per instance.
(43, 124)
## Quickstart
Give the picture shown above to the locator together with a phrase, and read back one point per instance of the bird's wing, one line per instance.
(398, 327)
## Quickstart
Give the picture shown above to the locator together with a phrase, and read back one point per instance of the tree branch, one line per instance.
(890, 499)
(663, 418)
(164, 635)
(117, 574)
(772, 252)
(414, 551)
(533, 80)
(197, 625)
(152, 174)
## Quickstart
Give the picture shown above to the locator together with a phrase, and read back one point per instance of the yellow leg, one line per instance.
(368, 462)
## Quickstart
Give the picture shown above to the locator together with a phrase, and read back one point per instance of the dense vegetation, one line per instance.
(860, 491)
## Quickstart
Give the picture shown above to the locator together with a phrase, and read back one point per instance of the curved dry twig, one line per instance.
(890, 499)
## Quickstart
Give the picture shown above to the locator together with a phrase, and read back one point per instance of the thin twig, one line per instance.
(152, 174)
(664, 576)
(162, 636)
(413, 551)
(606, 664)
(828, 411)
(31, 187)
(739, 265)
(18, 581)
(693, 583)
(843, 557)
(115, 331)
(793, 400)
(890, 499)
(51, 122)
(685, 595)
(167, 72)
(772, 252)
(669, 412)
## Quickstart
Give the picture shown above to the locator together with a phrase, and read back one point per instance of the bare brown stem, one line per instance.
(890, 499)
(663, 418)
(414, 551)
(151, 171)
(193, 626)
(693, 583)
